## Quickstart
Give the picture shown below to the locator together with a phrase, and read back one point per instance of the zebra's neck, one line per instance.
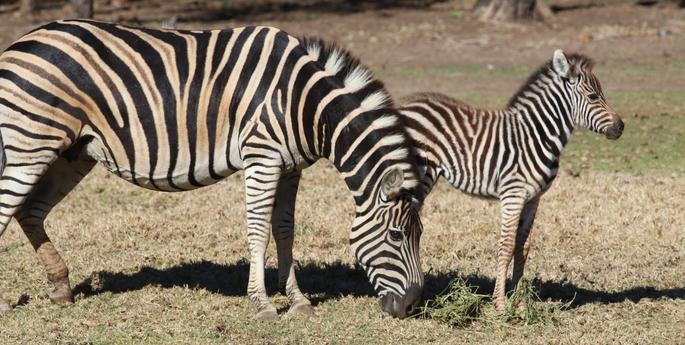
(353, 122)
(362, 154)
(545, 117)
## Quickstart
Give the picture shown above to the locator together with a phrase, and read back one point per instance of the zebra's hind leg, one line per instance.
(58, 181)
(283, 225)
(511, 207)
(523, 239)
(20, 175)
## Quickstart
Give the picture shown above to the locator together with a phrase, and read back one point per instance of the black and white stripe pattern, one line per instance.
(511, 154)
(175, 110)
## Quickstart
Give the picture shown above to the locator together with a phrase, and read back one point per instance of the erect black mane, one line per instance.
(577, 61)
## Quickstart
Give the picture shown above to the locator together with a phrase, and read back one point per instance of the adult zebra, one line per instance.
(177, 110)
(511, 154)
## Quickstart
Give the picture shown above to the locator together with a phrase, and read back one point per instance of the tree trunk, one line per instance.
(27, 6)
(507, 10)
(82, 8)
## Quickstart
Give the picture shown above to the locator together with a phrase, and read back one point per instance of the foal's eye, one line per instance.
(593, 97)
(395, 235)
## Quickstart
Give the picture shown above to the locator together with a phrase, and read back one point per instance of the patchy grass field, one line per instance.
(155, 268)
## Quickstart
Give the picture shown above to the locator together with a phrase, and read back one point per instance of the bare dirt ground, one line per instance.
(157, 268)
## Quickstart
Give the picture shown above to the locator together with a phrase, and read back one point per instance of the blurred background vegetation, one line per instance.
(193, 10)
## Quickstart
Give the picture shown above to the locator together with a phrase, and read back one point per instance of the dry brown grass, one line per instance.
(159, 268)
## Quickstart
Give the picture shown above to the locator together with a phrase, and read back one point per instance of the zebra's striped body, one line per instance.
(511, 154)
(176, 110)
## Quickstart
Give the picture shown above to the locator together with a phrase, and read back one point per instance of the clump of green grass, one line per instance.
(525, 307)
(458, 305)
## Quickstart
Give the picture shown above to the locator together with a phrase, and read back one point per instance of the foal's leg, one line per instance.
(511, 207)
(283, 225)
(523, 239)
(58, 181)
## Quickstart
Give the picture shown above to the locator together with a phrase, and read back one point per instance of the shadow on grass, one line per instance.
(331, 281)
(565, 291)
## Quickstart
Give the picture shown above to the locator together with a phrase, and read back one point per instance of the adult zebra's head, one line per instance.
(589, 109)
(361, 133)
(386, 244)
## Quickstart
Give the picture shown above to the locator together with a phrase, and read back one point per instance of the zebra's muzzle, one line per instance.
(614, 132)
(402, 306)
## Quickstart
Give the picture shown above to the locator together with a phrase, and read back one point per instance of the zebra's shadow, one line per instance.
(330, 281)
(324, 281)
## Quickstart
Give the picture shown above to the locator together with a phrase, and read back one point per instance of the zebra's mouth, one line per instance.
(614, 132)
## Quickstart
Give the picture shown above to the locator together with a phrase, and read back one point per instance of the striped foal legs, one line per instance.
(523, 239)
(59, 180)
(510, 215)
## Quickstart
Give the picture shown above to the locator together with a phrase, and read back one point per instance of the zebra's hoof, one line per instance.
(301, 309)
(61, 296)
(500, 309)
(269, 315)
(5, 307)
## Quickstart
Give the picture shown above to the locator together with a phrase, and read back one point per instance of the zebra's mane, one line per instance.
(375, 98)
(577, 61)
(349, 71)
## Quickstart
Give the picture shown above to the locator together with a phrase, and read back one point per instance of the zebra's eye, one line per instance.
(593, 97)
(396, 235)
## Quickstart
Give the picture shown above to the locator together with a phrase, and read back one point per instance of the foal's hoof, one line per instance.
(5, 307)
(301, 309)
(61, 296)
(269, 315)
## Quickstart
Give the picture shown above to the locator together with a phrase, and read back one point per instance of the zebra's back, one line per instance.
(164, 109)
(458, 142)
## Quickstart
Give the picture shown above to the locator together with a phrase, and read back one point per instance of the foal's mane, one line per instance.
(577, 62)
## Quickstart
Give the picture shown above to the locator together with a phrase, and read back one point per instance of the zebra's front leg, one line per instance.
(283, 227)
(523, 239)
(510, 215)
(261, 183)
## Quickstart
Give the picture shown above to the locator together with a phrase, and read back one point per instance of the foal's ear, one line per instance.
(563, 68)
(560, 64)
(391, 183)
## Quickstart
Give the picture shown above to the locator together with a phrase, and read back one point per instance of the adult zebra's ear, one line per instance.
(391, 183)
(562, 67)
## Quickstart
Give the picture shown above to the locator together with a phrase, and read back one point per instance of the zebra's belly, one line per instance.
(162, 176)
(479, 193)
(474, 188)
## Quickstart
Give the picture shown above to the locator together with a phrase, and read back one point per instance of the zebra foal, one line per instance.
(175, 110)
(510, 154)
